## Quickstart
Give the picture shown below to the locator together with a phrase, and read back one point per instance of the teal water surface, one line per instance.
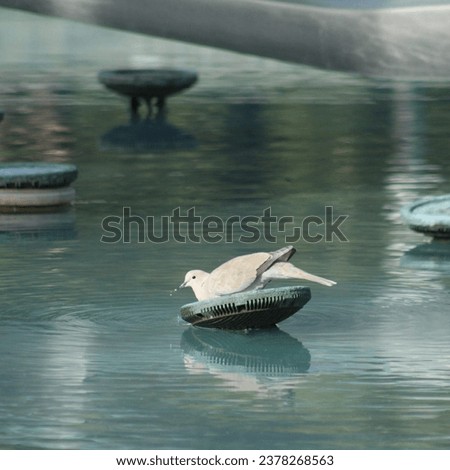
(94, 354)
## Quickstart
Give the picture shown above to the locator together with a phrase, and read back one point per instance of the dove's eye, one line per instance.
(193, 277)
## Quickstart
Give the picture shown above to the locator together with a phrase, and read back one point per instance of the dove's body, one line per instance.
(247, 272)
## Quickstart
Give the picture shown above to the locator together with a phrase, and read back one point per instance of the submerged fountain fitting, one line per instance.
(247, 310)
(152, 86)
(31, 187)
(430, 215)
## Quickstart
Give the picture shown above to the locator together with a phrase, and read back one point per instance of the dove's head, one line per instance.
(195, 279)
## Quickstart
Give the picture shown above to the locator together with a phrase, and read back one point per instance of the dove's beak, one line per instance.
(183, 285)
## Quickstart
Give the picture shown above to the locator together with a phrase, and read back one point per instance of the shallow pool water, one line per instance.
(94, 354)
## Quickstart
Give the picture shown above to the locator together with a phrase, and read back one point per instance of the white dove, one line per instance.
(247, 272)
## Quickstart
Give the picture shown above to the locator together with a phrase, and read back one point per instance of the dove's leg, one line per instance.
(283, 270)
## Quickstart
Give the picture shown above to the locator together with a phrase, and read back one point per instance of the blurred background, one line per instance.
(94, 354)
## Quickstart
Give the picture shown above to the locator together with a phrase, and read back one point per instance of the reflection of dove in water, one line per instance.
(248, 272)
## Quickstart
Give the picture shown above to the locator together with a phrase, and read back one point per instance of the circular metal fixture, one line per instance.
(36, 175)
(147, 84)
(246, 310)
(36, 187)
(430, 216)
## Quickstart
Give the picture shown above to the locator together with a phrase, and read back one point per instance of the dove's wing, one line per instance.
(237, 274)
(283, 254)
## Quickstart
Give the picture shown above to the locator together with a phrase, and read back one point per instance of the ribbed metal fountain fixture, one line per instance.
(247, 310)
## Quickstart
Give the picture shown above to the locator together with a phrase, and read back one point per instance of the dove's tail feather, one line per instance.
(289, 271)
(318, 279)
